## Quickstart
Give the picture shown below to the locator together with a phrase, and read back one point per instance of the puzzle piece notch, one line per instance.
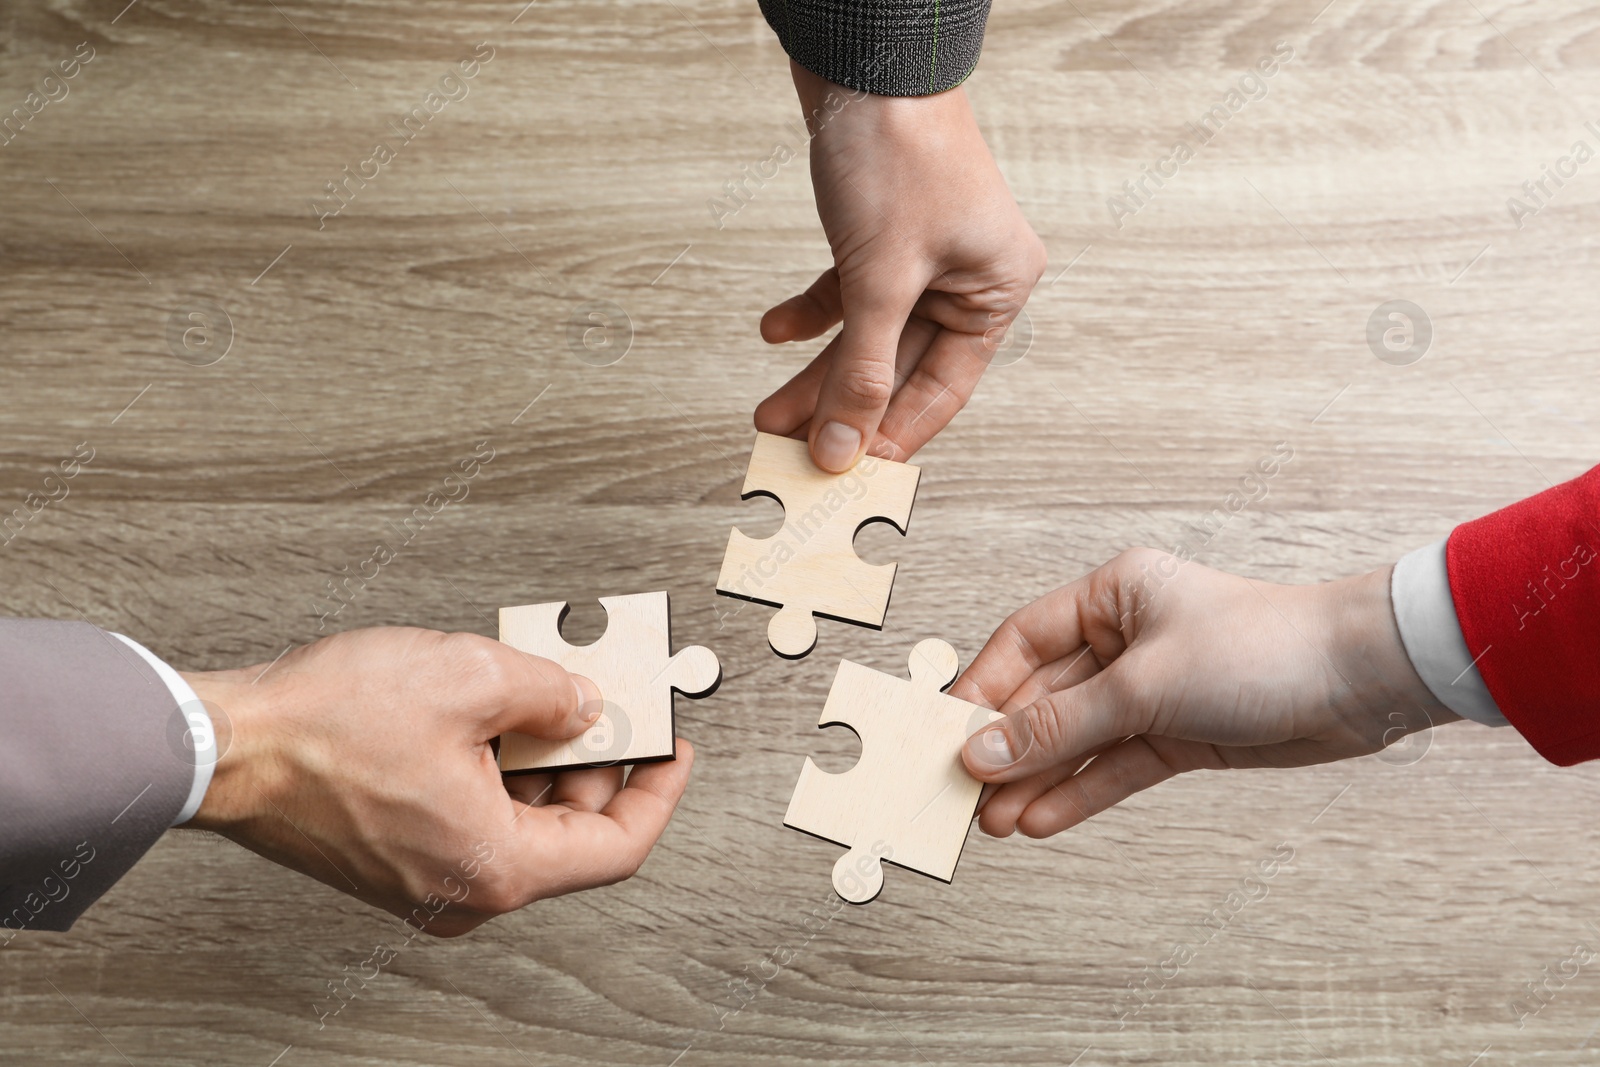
(632, 666)
(809, 567)
(908, 800)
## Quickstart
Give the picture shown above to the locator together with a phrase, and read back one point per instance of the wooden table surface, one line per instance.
(365, 356)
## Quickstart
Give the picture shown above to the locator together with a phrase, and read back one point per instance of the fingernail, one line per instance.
(837, 445)
(590, 703)
(992, 748)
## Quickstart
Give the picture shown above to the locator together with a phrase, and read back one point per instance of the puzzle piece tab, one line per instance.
(632, 665)
(909, 800)
(810, 567)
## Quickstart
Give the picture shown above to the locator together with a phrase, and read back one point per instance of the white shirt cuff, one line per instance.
(199, 737)
(1431, 632)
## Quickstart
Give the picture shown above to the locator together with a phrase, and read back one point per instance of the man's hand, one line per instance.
(932, 262)
(1147, 668)
(363, 760)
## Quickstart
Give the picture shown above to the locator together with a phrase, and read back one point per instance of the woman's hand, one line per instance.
(1148, 667)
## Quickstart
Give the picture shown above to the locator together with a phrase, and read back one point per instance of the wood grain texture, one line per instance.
(370, 356)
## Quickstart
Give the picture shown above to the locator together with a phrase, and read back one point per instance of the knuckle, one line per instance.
(1012, 634)
(1049, 727)
(1136, 560)
(630, 862)
(864, 387)
(484, 661)
(499, 897)
(440, 926)
(627, 864)
(767, 410)
(1011, 302)
(1038, 260)
(1130, 581)
(454, 926)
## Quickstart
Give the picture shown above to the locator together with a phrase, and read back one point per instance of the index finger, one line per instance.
(1032, 636)
(560, 850)
(858, 385)
(506, 690)
(934, 391)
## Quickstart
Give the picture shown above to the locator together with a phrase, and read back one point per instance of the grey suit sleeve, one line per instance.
(887, 47)
(92, 768)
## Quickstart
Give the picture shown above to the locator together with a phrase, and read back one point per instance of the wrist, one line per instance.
(824, 103)
(237, 708)
(818, 95)
(1367, 651)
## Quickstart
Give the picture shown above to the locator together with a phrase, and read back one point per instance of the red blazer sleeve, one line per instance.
(1526, 585)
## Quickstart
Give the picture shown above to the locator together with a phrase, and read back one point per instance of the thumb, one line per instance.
(856, 390)
(531, 695)
(1061, 728)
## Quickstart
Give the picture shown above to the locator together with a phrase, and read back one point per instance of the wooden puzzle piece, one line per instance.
(632, 665)
(909, 800)
(810, 566)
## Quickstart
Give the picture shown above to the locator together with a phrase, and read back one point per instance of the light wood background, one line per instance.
(1228, 315)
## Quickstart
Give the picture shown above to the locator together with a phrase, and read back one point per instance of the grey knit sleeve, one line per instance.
(887, 47)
